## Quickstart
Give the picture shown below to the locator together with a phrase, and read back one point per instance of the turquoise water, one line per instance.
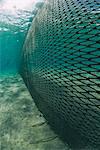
(63, 66)
(15, 19)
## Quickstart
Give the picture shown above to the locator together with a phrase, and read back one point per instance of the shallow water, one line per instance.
(22, 126)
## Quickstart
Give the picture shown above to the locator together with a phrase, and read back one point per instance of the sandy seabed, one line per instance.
(22, 126)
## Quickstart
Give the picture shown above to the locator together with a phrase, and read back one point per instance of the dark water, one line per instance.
(15, 19)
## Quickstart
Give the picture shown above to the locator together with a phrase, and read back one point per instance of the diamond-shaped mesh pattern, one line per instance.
(61, 62)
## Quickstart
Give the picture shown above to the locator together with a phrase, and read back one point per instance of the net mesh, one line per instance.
(61, 66)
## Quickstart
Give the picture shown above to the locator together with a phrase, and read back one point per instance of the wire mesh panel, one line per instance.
(61, 67)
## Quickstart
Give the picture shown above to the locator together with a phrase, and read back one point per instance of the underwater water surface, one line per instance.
(65, 77)
(15, 19)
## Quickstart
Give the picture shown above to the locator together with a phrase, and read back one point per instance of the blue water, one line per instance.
(15, 19)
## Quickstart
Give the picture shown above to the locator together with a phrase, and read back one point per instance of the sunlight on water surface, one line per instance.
(15, 19)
